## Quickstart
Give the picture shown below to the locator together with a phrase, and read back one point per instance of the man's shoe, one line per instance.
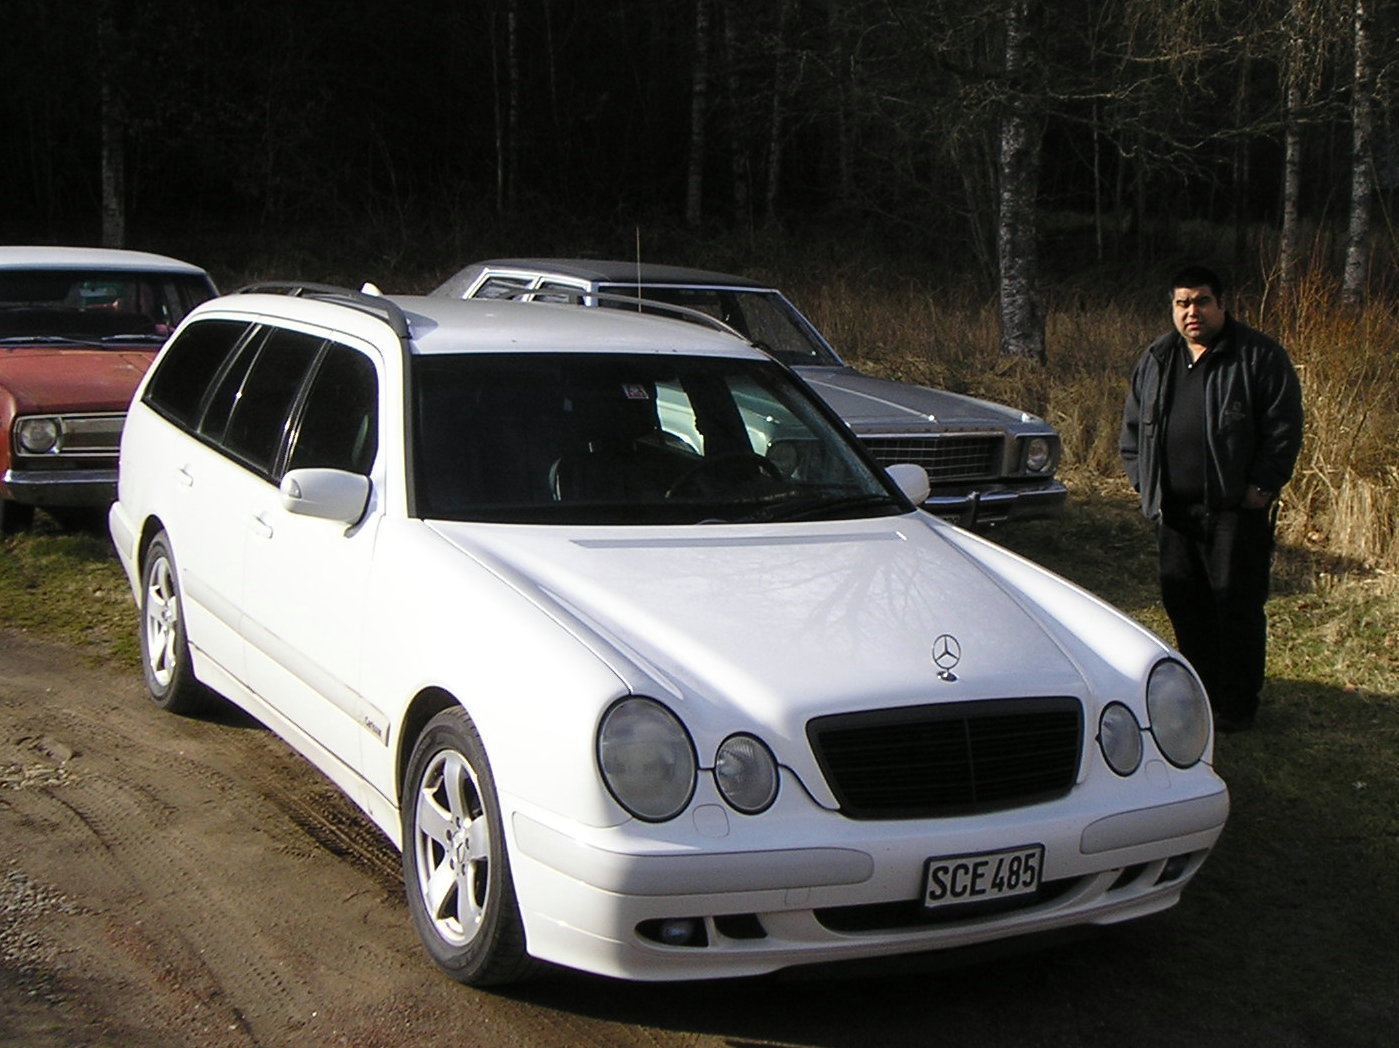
(1227, 724)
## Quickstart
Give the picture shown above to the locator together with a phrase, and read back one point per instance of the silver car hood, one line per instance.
(872, 404)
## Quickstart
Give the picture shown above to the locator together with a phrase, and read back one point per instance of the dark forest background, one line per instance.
(421, 134)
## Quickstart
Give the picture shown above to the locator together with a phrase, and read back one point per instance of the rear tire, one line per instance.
(165, 657)
(455, 869)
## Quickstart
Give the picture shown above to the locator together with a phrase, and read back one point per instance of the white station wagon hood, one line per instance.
(786, 622)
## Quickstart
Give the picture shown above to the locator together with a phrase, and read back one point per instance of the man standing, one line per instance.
(1210, 433)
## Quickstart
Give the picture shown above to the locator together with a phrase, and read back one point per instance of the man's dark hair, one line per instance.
(1199, 276)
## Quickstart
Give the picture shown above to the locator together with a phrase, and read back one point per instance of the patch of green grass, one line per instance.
(69, 585)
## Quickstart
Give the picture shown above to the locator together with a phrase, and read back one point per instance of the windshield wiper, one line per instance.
(829, 508)
(62, 340)
(810, 508)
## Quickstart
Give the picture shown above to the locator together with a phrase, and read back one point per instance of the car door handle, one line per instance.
(261, 528)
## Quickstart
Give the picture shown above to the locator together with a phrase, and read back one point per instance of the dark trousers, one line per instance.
(1215, 572)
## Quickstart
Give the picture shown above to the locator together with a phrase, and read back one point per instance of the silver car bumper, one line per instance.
(981, 507)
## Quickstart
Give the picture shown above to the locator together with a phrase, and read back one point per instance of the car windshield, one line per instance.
(591, 438)
(63, 306)
(765, 317)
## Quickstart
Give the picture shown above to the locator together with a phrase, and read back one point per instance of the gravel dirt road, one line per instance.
(179, 882)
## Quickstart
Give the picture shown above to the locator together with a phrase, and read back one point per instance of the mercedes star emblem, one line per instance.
(946, 654)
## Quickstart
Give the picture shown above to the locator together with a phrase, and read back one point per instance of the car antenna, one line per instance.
(638, 269)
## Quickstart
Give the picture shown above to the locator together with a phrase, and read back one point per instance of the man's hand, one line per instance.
(1256, 498)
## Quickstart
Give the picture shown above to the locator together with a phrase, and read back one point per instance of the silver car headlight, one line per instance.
(38, 436)
(1120, 737)
(746, 774)
(646, 759)
(1179, 712)
(1038, 454)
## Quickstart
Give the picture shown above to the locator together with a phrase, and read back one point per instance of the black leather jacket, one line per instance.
(1253, 409)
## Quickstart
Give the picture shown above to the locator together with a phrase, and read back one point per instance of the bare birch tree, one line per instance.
(112, 115)
(1022, 318)
(1362, 176)
(699, 111)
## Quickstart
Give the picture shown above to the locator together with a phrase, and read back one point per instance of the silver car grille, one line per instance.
(946, 456)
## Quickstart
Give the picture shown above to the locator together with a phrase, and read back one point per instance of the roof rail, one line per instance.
(375, 305)
(641, 305)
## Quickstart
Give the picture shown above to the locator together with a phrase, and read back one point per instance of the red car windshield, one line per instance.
(65, 306)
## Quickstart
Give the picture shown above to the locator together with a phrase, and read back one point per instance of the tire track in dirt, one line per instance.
(223, 891)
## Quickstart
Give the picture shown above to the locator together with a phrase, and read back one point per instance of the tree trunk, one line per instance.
(778, 115)
(1022, 320)
(1241, 167)
(699, 108)
(737, 151)
(113, 150)
(842, 70)
(1290, 235)
(1362, 176)
(512, 134)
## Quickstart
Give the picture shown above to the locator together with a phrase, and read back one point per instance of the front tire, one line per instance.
(15, 517)
(455, 868)
(165, 657)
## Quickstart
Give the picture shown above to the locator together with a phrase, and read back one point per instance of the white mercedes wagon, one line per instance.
(616, 631)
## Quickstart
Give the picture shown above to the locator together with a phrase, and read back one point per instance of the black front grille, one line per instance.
(946, 457)
(964, 757)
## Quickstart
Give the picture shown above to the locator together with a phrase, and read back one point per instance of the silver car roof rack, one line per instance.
(642, 305)
(375, 305)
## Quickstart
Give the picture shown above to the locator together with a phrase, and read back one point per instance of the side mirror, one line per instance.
(912, 480)
(330, 494)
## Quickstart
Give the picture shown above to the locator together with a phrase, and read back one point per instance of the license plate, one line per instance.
(982, 876)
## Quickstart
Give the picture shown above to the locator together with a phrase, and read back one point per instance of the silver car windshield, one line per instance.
(765, 317)
(593, 438)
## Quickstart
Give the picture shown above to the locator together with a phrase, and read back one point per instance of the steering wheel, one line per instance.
(725, 474)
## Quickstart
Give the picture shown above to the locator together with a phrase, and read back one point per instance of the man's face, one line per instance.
(1199, 315)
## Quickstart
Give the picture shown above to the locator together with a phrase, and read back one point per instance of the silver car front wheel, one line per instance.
(455, 866)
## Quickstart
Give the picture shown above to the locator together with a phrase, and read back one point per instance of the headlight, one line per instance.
(38, 436)
(1038, 454)
(1179, 712)
(746, 774)
(1120, 737)
(647, 759)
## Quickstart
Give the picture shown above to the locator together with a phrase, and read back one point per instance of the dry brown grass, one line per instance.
(1342, 506)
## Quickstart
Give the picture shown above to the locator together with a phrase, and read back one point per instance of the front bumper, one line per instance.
(593, 898)
(60, 487)
(973, 506)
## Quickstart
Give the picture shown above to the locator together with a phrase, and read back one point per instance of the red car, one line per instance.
(78, 328)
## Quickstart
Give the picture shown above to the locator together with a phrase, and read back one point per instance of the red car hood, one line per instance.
(51, 379)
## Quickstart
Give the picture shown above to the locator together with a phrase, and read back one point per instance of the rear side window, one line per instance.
(259, 401)
(183, 377)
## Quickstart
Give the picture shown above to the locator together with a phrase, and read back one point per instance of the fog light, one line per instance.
(678, 932)
(1174, 869)
(674, 931)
